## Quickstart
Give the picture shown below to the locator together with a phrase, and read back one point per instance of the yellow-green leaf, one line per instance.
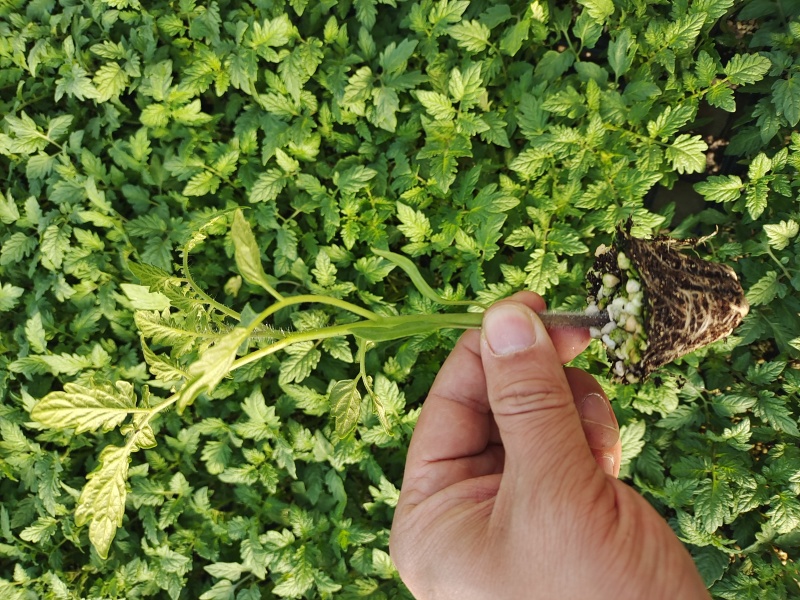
(214, 364)
(86, 409)
(247, 252)
(102, 501)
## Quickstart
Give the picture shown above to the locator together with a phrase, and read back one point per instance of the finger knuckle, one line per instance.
(527, 395)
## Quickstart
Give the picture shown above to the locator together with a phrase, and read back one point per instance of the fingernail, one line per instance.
(508, 328)
(607, 464)
(599, 423)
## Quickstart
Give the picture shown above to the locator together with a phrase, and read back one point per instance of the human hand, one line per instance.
(509, 494)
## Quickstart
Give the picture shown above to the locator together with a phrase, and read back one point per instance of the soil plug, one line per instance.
(661, 303)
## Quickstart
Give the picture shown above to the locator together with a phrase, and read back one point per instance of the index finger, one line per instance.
(455, 438)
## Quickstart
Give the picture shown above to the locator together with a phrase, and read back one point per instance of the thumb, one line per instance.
(530, 397)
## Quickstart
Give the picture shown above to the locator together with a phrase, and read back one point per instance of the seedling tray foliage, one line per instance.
(173, 171)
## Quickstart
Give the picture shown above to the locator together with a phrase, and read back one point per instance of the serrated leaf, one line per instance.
(786, 97)
(395, 57)
(784, 512)
(301, 358)
(671, 120)
(345, 401)
(720, 188)
(102, 500)
(743, 69)
(204, 182)
(9, 295)
(35, 333)
(354, 179)
(59, 126)
(338, 348)
(161, 368)
(682, 33)
(765, 289)
(759, 167)
(40, 531)
(722, 97)
(756, 197)
(15, 248)
(86, 409)
(270, 33)
(8, 209)
(54, 245)
(387, 103)
(687, 154)
(599, 10)
(530, 163)
(415, 225)
(712, 504)
(542, 271)
(473, 35)
(221, 570)
(780, 234)
(565, 241)
(706, 68)
(437, 105)
(155, 115)
(268, 186)
(631, 436)
(110, 80)
(466, 87)
(773, 410)
(513, 38)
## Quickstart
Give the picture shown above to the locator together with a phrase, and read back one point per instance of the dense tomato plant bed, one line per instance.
(494, 144)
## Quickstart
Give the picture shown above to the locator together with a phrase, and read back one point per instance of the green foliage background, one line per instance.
(497, 144)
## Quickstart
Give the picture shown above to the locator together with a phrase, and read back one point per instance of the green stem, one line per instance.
(220, 307)
(316, 298)
(380, 330)
(779, 263)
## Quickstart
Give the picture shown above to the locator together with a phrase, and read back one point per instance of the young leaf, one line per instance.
(345, 401)
(712, 504)
(301, 359)
(473, 35)
(765, 289)
(9, 213)
(86, 409)
(437, 105)
(142, 298)
(248, 254)
(416, 278)
(786, 97)
(268, 185)
(415, 225)
(214, 364)
(621, 51)
(747, 68)
(599, 10)
(720, 188)
(671, 120)
(780, 234)
(9, 294)
(688, 154)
